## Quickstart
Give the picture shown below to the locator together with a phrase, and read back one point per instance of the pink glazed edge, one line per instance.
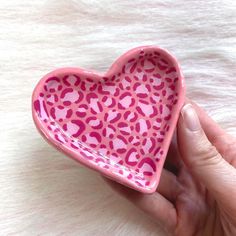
(113, 68)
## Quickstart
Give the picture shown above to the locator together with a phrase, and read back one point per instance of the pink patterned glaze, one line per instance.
(119, 123)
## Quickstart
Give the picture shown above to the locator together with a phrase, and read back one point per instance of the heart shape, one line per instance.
(120, 123)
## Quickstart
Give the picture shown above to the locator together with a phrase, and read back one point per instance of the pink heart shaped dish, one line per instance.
(119, 123)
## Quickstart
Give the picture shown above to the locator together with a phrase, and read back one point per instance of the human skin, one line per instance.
(197, 190)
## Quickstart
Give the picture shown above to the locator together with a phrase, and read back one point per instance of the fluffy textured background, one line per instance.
(41, 191)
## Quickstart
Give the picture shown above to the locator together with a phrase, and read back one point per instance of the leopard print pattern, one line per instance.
(117, 123)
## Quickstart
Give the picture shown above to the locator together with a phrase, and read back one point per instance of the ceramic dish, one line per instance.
(119, 123)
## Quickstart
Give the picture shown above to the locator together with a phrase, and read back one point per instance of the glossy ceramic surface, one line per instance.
(119, 123)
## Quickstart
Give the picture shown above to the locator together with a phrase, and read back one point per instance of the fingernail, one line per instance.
(190, 118)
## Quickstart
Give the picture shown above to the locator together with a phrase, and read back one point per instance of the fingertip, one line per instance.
(121, 189)
(190, 118)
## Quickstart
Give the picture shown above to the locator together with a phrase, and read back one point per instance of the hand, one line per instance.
(197, 190)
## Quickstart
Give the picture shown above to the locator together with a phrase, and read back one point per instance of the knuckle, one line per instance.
(230, 148)
(227, 145)
(207, 154)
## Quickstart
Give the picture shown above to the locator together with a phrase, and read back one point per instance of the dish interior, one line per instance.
(115, 123)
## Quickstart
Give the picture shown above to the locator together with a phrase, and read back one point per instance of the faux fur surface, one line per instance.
(42, 191)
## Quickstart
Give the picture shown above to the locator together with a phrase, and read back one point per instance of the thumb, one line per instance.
(202, 158)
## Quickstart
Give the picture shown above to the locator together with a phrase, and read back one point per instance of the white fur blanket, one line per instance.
(41, 191)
